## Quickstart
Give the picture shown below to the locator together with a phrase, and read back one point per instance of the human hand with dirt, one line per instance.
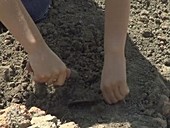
(47, 67)
(113, 82)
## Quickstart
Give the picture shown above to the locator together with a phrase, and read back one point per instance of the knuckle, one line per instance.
(106, 85)
(39, 77)
(59, 84)
(56, 72)
(43, 77)
(61, 81)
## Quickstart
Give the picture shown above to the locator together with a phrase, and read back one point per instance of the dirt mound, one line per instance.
(74, 31)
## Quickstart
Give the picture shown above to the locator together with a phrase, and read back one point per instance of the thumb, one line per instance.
(72, 74)
(68, 73)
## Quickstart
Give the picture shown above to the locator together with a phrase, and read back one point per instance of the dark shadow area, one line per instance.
(2, 28)
(84, 105)
(74, 31)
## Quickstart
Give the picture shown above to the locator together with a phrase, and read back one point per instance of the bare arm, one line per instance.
(15, 17)
(46, 65)
(113, 83)
(116, 22)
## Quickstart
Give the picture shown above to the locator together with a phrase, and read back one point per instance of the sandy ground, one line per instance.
(74, 31)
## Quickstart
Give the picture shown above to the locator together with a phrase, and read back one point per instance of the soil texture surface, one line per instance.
(74, 31)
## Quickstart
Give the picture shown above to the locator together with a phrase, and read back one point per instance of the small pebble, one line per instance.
(164, 16)
(167, 62)
(147, 34)
(69, 125)
(11, 84)
(161, 122)
(144, 19)
(144, 12)
(166, 109)
(162, 38)
(46, 118)
(164, 1)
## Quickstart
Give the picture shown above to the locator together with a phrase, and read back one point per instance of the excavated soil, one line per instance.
(74, 31)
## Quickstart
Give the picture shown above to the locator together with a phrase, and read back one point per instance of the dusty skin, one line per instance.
(77, 26)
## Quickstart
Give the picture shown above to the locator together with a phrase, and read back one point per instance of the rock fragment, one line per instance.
(162, 37)
(34, 111)
(164, 1)
(167, 62)
(144, 12)
(69, 125)
(147, 34)
(162, 123)
(44, 125)
(15, 115)
(18, 115)
(46, 118)
(166, 109)
(166, 71)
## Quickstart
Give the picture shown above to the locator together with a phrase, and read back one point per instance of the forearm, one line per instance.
(15, 17)
(116, 23)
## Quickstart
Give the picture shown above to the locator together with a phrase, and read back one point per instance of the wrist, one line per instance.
(114, 47)
(36, 48)
(114, 52)
(114, 56)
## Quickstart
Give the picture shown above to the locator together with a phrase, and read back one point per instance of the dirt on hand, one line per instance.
(74, 31)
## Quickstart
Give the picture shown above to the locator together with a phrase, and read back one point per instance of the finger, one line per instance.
(113, 97)
(61, 79)
(106, 98)
(117, 93)
(40, 79)
(52, 80)
(109, 96)
(124, 90)
(68, 73)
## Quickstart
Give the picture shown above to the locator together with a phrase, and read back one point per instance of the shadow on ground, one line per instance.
(75, 32)
(85, 107)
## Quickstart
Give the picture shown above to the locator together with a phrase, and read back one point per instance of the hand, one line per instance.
(113, 83)
(47, 67)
